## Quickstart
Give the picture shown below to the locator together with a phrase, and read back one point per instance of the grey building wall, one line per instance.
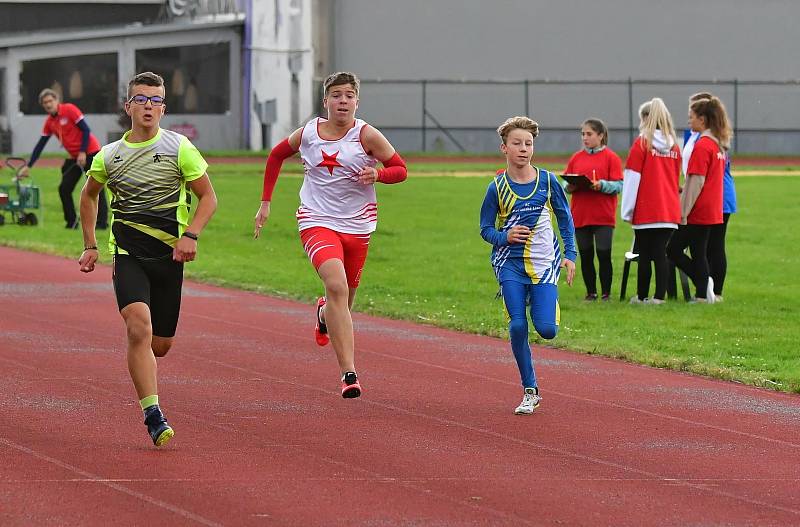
(568, 40)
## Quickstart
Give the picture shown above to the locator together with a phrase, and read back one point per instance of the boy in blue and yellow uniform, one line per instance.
(526, 256)
(148, 172)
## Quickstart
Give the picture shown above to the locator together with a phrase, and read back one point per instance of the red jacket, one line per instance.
(591, 207)
(657, 200)
(707, 160)
(65, 127)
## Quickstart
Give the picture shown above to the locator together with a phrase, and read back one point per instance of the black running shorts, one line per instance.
(155, 281)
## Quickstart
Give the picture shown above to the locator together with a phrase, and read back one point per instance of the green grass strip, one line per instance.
(428, 264)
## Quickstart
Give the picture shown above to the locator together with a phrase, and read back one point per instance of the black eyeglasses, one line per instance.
(155, 100)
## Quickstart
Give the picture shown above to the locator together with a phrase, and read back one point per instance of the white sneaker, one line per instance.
(635, 300)
(655, 301)
(710, 291)
(530, 402)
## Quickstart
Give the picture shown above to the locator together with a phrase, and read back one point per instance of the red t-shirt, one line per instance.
(657, 200)
(64, 125)
(592, 207)
(707, 160)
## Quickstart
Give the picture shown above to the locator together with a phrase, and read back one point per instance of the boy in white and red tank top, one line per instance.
(338, 207)
(331, 195)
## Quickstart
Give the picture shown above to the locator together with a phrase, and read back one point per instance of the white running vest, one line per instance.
(331, 195)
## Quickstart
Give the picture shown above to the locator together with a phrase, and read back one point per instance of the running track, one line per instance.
(263, 437)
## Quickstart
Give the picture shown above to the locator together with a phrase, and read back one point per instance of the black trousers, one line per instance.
(695, 237)
(717, 259)
(71, 173)
(651, 245)
(588, 238)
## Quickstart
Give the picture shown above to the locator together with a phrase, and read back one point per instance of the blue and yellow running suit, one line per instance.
(528, 272)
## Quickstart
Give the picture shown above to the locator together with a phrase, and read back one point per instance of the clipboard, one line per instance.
(580, 181)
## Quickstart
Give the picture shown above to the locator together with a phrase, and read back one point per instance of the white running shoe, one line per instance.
(710, 291)
(654, 301)
(530, 402)
(636, 300)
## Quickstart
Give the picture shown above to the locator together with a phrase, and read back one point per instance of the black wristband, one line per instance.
(190, 235)
(90, 248)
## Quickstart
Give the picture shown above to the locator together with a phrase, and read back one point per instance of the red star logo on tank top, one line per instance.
(329, 161)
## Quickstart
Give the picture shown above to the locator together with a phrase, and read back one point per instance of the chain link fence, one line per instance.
(462, 115)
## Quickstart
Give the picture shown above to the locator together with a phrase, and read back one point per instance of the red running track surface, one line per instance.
(264, 438)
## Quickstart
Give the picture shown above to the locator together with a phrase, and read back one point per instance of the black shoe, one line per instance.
(350, 385)
(101, 226)
(157, 426)
(73, 225)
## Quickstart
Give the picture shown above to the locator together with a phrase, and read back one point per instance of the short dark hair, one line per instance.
(147, 78)
(47, 92)
(339, 78)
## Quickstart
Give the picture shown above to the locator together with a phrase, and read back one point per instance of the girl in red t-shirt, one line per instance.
(701, 199)
(594, 207)
(650, 196)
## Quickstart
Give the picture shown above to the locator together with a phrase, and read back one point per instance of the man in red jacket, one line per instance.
(66, 121)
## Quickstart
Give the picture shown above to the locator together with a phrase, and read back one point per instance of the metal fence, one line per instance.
(462, 115)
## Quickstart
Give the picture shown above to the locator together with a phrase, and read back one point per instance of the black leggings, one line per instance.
(717, 259)
(695, 237)
(587, 237)
(651, 246)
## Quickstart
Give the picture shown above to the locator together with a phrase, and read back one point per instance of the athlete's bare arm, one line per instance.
(186, 248)
(295, 138)
(89, 198)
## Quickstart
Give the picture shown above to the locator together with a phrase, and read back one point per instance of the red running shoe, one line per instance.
(350, 386)
(320, 329)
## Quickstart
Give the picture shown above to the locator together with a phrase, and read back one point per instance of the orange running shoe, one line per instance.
(320, 329)
(350, 386)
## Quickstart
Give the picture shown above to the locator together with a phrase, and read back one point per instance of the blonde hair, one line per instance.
(653, 116)
(47, 92)
(339, 78)
(521, 122)
(716, 118)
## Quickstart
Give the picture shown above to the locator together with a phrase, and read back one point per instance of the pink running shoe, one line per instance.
(350, 386)
(320, 329)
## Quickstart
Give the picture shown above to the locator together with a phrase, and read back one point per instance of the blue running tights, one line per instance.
(545, 315)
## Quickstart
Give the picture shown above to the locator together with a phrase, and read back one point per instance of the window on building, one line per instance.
(88, 81)
(5, 134)
(2, 92)
(197, 77)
